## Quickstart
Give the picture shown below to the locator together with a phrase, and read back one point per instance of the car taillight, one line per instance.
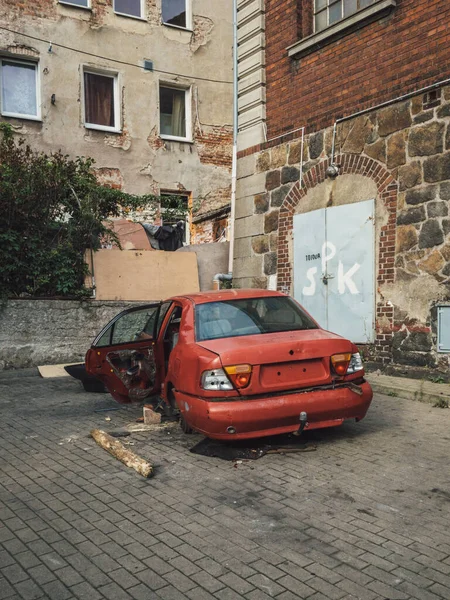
(216, 379)
(355, 364)
(240, 375)
(341, 362)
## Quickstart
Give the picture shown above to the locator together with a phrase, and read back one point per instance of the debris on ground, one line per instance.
(150, 416)
(116, 449)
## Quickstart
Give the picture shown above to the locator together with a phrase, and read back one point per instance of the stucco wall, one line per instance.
(40, 332)
(137, 159)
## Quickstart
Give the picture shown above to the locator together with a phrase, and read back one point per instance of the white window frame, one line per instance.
(326, 10)
(188, 27)
(70, 3)
(35, 64)
(116, 90)
(141, 18)
(187, 111)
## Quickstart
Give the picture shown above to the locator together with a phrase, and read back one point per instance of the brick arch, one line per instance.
(387, 189)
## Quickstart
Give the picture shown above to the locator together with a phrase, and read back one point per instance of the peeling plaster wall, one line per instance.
(137, 159)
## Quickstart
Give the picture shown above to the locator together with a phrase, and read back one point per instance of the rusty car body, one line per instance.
(236, 364)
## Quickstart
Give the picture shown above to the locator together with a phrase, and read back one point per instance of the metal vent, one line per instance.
(148, 65)
(443, 328)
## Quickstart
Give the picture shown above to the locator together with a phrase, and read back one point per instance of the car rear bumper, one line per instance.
(259, 417)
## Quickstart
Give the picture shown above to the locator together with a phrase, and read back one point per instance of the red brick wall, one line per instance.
(397, 54)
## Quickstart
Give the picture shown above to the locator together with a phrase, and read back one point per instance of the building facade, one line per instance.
(344, 168)
(142, 86)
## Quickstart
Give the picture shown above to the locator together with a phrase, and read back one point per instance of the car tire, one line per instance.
(185, 428)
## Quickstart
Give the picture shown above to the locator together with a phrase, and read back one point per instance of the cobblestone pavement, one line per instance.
(366, 515)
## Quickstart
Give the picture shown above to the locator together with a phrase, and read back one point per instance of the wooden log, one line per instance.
(117, 449)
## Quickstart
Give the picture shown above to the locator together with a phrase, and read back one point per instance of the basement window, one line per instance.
(176, 13)
(79, 3)
(19, 82)
(129, 8)
(333, 19)
(174, 111)
(101, 101)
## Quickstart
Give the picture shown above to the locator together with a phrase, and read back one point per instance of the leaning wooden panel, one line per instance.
(144, 275)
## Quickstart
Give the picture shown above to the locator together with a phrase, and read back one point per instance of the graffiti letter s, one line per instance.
(311, 289)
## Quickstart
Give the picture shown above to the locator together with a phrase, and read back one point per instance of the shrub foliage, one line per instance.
(52, 209)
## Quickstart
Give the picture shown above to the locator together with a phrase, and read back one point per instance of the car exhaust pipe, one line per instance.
(231, 429)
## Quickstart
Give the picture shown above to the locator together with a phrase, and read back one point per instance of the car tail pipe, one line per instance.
(218, 277)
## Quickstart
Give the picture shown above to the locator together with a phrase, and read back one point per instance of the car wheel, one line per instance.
(184, 426)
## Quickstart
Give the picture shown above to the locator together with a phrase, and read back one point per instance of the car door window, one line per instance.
(131, 326)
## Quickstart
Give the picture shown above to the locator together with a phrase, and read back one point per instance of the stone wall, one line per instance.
(40, 332)
(401, 156)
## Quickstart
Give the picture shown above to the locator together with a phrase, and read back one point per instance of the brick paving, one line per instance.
(367, 515)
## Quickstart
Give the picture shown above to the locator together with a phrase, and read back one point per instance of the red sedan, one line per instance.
(236, 364)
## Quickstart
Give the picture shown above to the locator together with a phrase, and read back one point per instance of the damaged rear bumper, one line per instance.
(259, 416)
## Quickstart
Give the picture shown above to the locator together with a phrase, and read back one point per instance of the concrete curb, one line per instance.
(410, 389)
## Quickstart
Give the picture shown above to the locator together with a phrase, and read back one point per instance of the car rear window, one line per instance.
(250, 316)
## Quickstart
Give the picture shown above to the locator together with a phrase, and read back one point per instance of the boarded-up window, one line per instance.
(99, 100)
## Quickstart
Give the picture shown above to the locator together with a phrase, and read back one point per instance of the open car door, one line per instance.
(123, 354)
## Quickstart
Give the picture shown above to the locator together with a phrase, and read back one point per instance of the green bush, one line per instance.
(52, 209)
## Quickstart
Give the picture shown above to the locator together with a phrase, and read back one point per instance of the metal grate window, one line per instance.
(443, 328)
(328, 12)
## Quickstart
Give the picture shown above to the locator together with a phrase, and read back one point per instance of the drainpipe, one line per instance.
(229, 276)
(235, 132)
(218, 277)
(333, 169)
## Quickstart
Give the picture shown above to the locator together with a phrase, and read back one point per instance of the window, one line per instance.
(327, 12)
(177, 13)
(174, 110)
(253, 316)
(80, 3)
(175, 208)
(20, 89)
(129, 8)
(101, 101)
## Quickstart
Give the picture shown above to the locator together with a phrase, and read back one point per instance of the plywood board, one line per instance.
(144, 275)
(53, 370)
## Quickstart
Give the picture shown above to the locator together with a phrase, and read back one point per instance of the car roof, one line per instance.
(223, 295)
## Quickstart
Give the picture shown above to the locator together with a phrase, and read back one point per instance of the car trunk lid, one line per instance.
(282, 361)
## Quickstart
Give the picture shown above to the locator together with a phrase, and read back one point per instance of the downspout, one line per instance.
(229, 276)
(235, 134)
(333, 169)
(218, 277)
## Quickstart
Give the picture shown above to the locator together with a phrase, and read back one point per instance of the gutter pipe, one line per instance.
(235, 133)
(218, 277)
(334, 169)
(229, 276)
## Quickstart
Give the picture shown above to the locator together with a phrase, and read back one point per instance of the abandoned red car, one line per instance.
(236, 364)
